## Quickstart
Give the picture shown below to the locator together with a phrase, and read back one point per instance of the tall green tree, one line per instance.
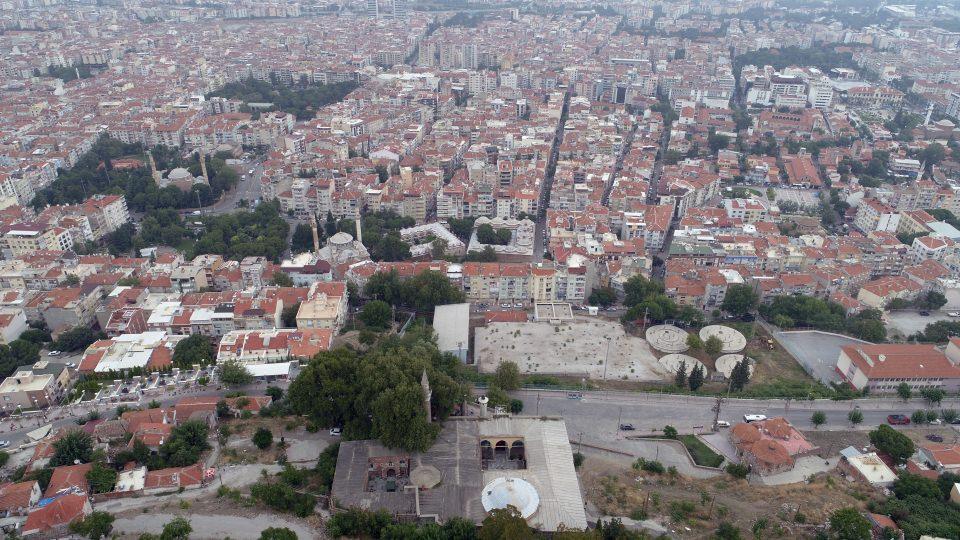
(376, 315)
(740, 375)
(893, 443)
(74, 446)
(195, 349)
(740, 300)
(507, 375)
(695, 381)
(849, 524)
(505, 523)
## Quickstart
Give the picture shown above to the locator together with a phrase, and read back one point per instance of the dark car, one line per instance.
(749, 317)
(898, 420)
(934, 438)
(626, 427)
(924, 313)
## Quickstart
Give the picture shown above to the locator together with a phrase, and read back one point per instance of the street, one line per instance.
(598, 414)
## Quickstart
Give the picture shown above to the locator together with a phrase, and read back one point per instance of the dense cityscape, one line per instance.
(492, 269)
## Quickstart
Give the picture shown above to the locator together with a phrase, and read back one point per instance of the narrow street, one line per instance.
(540, 231)
(618, 166)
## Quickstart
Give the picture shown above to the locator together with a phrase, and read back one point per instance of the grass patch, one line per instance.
(701, 453)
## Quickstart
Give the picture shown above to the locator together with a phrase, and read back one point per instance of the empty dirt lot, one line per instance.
(577, 348)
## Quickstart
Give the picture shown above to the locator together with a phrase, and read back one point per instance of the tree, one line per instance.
(849, 524)
(77, 339)
(281, 279)
(680, 377)
(75, 446)
(195, 349)
(695, 381)
(507, 376)
(603, 297)
(713, 345)
(233, 373)
(740, 375)
(904, 391)
(694, 342)
(855, 417)
(740, 300)
(278, 533)
(376, 315)
(177, 529)
(95, 525)
(505, 523)
(933, 395)
(101, 479)
(289, 315)
(302, 240)
(638, 289)
(400, 419)
(818, 419)
(717, 142)
(275, 393)
(263, 438)
(893, 443)
(670, 432)
(918, 417)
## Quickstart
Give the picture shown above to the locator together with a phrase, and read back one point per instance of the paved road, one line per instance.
(248, 188)
(598, 414)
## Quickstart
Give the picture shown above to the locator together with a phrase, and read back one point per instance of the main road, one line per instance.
(598, 414)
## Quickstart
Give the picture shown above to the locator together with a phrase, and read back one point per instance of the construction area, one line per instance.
(577, 348)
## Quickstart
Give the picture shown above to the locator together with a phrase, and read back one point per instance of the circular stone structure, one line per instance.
(425, 476)
(667, 338)
(515, 492)
(733, 340)
(671, 362)
(726, 363)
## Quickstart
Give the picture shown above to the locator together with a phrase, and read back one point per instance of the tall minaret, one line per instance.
(203, 166)
(359, 237)
(427, 394)
(316, 235)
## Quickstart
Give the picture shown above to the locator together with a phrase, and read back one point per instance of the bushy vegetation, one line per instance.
(187, 441)
(302, 100)
(921, 506)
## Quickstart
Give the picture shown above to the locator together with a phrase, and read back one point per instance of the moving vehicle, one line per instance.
(722, 424)
(754, 418)
(626, 427)
(898, 419)
(53, 353)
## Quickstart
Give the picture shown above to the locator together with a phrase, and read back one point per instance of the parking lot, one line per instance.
(803, 197)
(908, 322)
(816, 351)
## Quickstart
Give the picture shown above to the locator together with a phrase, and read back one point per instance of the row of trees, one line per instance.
(790, 311)
(421, 293)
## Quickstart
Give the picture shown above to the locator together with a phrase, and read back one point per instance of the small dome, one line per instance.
(341, 238)
(515, 492)
(179, 174)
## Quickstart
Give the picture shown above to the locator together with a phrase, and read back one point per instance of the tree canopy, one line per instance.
(303, 99)
(893, 443)
(377, 393)
(195, 349)
(422, 293)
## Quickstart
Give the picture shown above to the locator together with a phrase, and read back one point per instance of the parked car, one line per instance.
(626, 427)
(898, 419)
(934, 438)
(953, 314)
(4, 444)
(71, 364)
(53, 353)
(924, 313)
(335, 431)
(722, 424)
(754, 418)
(574, 395)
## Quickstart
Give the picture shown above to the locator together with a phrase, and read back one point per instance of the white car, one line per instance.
(953, 314)
(754, 418)
(53, 353)
(250, 171)
(722, 423)
(335, 431)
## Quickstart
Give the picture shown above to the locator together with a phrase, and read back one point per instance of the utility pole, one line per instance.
(619, 415)
(538, 403)
(606, 359)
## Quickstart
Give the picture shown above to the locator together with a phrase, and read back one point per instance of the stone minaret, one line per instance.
(316, 235)
(359, 237)
(203, 167)
(427, 394)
